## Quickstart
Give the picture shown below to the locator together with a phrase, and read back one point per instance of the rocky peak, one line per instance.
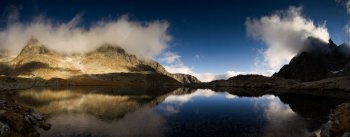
(33, 41)
(316, 45)
(34, 46)
(305, 67)
(110, 49)
(317, 61)
(331, 44)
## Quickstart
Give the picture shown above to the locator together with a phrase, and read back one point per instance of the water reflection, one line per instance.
(281, 119)
(143, 122)
(52, 102)
(182, 112)
(221, 112)
(90, 113)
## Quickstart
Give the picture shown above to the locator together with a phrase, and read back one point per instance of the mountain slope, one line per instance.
(35, 60)
(318, 61)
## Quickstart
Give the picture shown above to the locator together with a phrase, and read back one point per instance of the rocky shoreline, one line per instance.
(339, 122)
(18, 121)
(337, 86)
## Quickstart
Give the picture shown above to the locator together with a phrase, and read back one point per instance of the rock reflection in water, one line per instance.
(221, 113)
(142, 122)
(281, 119)
(90, 113)
(182, 112)
(52, 102)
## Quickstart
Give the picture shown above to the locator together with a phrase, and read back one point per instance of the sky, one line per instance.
(208, 39)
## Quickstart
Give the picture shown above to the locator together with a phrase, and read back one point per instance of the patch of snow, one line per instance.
(337, 71)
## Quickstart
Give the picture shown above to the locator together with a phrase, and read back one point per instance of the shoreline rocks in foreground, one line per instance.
(18, 121)
(339, 122)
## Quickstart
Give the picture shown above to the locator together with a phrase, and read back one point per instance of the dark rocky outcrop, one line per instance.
(150, 80)
(305, 67)
(318, 60)
(252, 81)
(18, 121)
(339, 122)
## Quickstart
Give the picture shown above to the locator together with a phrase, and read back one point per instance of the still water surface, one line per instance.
(128, 113)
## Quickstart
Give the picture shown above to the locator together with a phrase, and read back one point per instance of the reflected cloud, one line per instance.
(83, 113)
(281, 119)
(172, 103)
(199, 93)
(71, 124)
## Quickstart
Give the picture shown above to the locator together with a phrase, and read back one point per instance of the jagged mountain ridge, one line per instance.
(35, 60)
(317, 61)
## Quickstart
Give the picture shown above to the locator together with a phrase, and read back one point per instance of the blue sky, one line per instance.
(214, 31)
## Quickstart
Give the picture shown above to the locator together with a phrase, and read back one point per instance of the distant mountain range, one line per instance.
(112, 65)
(37, 61)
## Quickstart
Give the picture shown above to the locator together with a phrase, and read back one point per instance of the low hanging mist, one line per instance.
(144, 39)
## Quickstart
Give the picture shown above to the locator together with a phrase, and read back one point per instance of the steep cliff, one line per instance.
(317, 61)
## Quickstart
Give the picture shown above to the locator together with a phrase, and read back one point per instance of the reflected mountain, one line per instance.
(315, 109)
(99, 102)
(110, 112)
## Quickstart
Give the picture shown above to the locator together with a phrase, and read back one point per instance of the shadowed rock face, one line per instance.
(305, 67)
(252, 81)
(18, 121)
(318, 60)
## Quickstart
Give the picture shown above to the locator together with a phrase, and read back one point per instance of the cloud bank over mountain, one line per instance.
(283, 34)
(144, 39)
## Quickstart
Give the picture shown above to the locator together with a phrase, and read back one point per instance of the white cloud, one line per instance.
(169, 57)
(198, 56)
(346, 30)
(173, 64)
(283, 33)
(346, 4)
(144, 39)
